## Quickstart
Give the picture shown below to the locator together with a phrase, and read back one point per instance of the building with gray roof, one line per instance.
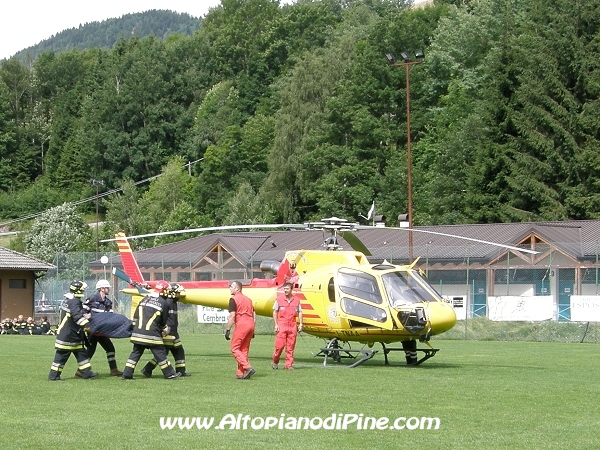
(461, 261)
(18, 274)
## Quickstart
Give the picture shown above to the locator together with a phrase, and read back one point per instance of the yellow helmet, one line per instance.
(77, 288)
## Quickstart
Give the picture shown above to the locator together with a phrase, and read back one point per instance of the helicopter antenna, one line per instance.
(369, 214)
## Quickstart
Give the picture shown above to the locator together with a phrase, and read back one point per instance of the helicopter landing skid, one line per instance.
(429, 353)
(337, 352)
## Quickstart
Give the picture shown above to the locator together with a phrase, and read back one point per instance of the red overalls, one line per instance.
(288, 329)
(243, 331)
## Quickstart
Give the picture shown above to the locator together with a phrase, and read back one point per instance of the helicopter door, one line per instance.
(360, 299)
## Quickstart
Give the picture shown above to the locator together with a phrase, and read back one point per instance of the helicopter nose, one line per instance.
(441, 317)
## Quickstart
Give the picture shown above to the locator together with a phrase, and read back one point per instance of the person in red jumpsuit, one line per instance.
(241, 314)
(285, 310)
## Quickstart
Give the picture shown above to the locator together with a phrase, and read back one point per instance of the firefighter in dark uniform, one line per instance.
(32, 327)
(171, 341)
(149, 328)
(45, 326)
(70, 336)
(21, 325)
(101, 303)
(9, 326)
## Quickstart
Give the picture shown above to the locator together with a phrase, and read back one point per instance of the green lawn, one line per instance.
(486, 395)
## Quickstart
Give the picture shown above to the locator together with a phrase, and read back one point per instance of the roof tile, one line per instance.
(10, 259)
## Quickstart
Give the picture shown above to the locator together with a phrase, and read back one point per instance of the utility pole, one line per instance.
(96, 183)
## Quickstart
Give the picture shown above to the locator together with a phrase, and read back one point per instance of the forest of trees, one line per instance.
(105, 34)
(291, 113)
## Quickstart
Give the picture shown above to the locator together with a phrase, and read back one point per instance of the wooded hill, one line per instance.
(107, 33)
(293, 113)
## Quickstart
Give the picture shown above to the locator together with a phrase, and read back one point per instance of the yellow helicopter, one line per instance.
(345, 299)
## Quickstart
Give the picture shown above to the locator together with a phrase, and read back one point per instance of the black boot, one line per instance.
(147, 370)
(127, 373)
(410, 351)
(54, 376)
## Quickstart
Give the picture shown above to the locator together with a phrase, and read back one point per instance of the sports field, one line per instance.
(485, 395)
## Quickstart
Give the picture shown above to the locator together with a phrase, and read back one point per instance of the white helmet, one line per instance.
(102, 284)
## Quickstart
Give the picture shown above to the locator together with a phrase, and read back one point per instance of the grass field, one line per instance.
(487, 395)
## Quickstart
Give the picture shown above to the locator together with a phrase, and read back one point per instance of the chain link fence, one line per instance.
(483, 329)
(470, 286)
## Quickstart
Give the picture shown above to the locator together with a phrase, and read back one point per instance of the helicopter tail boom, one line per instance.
(130, 265)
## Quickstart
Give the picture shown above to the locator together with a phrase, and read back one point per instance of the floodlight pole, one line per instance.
(406, 64)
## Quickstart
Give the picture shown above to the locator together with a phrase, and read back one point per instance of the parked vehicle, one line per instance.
(45, 305)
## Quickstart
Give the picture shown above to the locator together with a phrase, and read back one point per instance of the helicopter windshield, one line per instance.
(403, 289)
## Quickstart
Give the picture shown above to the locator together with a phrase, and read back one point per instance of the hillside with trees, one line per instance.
(107, 33)
(285, 113)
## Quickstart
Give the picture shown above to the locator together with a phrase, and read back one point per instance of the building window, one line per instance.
(184, 276)
(520, 276)
(16, 283)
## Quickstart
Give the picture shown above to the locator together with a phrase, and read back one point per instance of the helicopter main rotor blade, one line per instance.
(221, 228)
(355, 242)
(511, 247)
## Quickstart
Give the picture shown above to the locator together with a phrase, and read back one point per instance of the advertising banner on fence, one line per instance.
(212, 315)
(531, 309)
(459, 302)
(585, 308)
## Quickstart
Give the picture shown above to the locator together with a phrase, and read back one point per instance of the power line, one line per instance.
(77, 202)
(94, 197)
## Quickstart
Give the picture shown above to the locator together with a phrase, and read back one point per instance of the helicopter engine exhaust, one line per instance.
(271, 267)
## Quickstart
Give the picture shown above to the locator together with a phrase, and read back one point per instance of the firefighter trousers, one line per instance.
(62, 356)
(178, 353)
(108, 347)
(158, 351)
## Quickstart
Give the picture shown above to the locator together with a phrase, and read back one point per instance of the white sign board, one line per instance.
(459, 302)
(516, 308)
(585, 308)
(207, 314)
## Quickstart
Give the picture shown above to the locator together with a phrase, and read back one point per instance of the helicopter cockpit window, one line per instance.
(359, 284)
(403, 289)
(364, 310)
